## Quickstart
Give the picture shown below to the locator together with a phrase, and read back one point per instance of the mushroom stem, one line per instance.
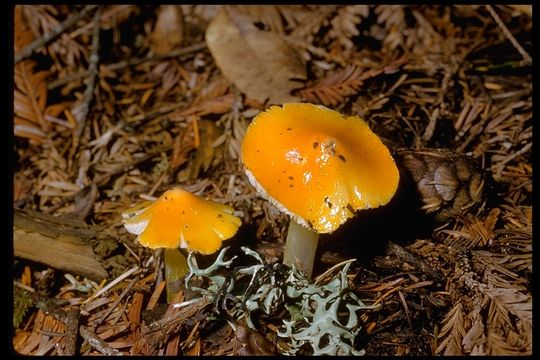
(176, 267)
(300, 248)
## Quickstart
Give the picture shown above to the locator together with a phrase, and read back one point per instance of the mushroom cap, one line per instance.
(180, 219)
(317, 165)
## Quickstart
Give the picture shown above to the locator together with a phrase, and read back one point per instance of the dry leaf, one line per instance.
(219, 105)
(344, 24)
(168, 32)
(259, 63)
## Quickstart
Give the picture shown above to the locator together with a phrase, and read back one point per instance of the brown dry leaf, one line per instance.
(337, 86)
(169, 29)
(393, 18)
(259, 63)
(219, 105)
(30, 93)
(452, 332)
(334, 88)
(30, 96)
(22, 35)
(344, 24)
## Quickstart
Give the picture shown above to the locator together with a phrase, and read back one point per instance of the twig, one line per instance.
(112, 284)
(104, 179)
(93, 71)
(50, 36)
(183, 51)
(65, 79)
(113, 306)
(500, 165)
(52, 307)
(508, 34)
(405, 308)
(160, 331)
(69, 318)
(404, 255)
(24, 287)
(97, 343)
(430, 128)
(125, 63)
(72, 332)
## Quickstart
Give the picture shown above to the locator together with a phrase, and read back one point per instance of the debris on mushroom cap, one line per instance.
(317, 165)
(180, 219)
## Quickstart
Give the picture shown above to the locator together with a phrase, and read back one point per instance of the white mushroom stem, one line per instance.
(300, 248)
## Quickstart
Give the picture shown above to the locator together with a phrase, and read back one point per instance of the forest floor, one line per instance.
(114, 105)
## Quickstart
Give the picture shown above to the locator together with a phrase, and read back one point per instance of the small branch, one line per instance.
(499, 167)
(404, 255)
(131, 62)
(72, 333)
(50, 36)
(526, 57)
(97, 343)
(161, 331)
(112, 284)
(125, 63)
(102, 180)
(113, 306)
(81, 110)
(93, 71)
(69, 318)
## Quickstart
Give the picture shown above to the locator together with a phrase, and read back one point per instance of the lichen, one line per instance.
(319, 318)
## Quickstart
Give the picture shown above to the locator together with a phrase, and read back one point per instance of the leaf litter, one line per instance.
(126, 101)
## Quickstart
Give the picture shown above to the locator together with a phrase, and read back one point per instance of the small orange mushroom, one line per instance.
(317, 166)
(180, 219)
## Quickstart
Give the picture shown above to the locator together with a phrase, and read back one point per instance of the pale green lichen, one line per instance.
(322, 317)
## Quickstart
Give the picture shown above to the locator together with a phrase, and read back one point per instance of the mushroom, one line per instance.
(319, 167)
(179, 219)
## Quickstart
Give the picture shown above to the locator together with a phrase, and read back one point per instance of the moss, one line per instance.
(22, 302)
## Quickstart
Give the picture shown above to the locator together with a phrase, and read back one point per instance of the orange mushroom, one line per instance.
(180, 219)
(319, 167)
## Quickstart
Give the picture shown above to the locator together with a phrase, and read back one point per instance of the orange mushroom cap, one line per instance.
(317, 165)
(180, 219)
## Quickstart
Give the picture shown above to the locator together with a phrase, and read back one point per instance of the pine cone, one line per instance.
(447, 182)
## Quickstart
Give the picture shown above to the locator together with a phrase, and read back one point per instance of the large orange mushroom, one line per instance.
(319, 167)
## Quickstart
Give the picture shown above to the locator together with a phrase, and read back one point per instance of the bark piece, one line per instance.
(60, 243)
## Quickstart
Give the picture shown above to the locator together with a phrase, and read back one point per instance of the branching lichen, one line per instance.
(322, 317)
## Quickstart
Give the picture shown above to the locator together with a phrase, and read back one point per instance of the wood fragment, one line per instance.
(134, 315)
(97, 343)
(155, 296)
(60, 243)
